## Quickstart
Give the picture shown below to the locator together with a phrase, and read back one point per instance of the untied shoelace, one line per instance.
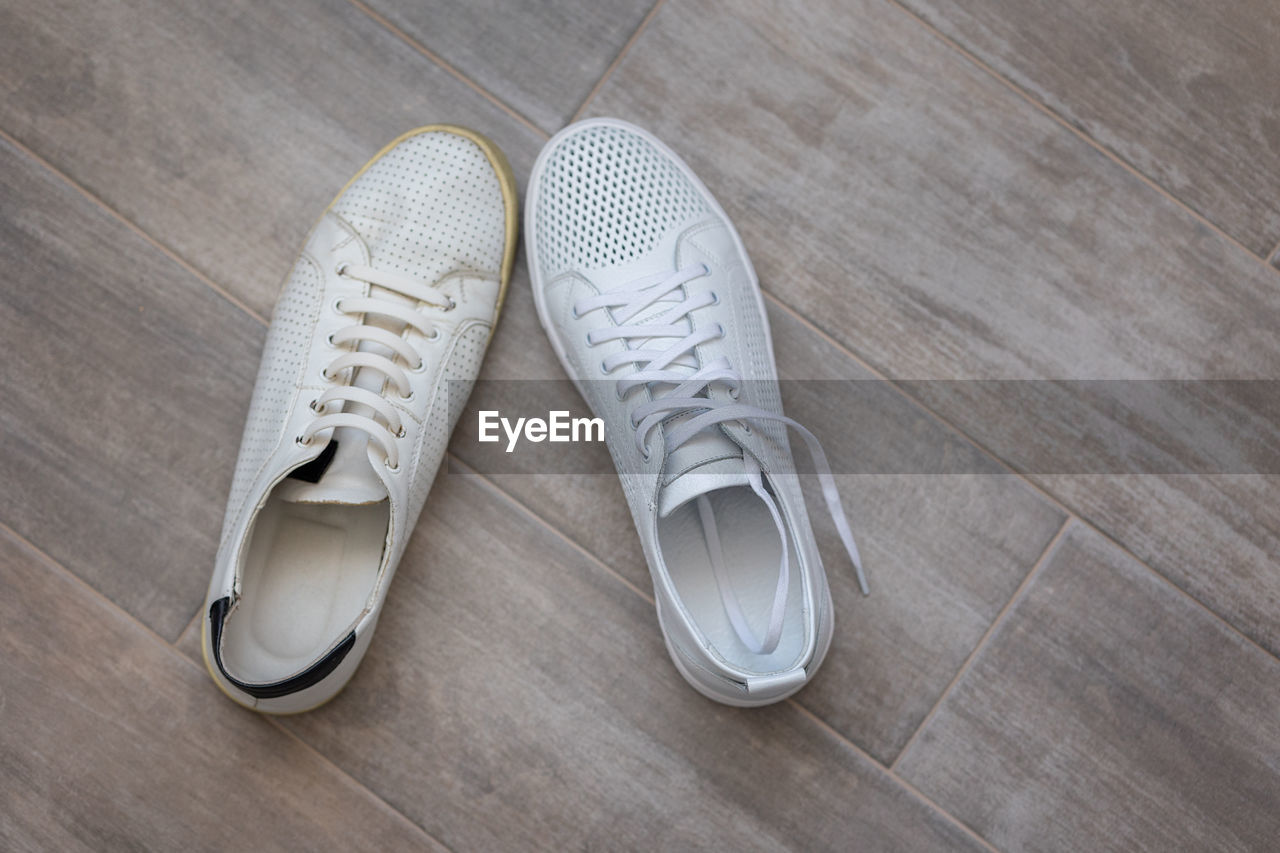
(680, 388)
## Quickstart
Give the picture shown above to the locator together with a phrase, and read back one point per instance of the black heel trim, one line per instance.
(312, 675)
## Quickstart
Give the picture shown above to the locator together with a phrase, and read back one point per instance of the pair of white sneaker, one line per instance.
(649, 300)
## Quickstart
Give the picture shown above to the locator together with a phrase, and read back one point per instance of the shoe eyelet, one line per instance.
(734, 392)
(302, 441)
(341, 269)
(645, 454)
(715, 297)
(394, 469)
(315, 405)
(577, 315)
(452, 304)
(413, 395)
(720, 329)
(336, 305)
(330, 341)
(604, 369)
(706, 270)
(401, 433)
(435, 334)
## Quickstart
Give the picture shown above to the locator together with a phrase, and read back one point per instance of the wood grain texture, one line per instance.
(1109, 712)
(124, 399)
(109, 740)
(223, 131)
(541, 58)
(926, 216)
(941, 566)
(1216, 536)
(937, 225)
(517, 695)
(1185, 91)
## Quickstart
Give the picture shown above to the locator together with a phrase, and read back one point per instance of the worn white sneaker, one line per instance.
(650, 302)
(383, 320)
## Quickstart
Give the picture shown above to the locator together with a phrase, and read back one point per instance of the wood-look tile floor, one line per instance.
(929, 189)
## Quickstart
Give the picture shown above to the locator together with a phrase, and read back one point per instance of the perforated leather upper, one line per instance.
(606, 197)
(284, 360)
(456, 381)
(431, 205)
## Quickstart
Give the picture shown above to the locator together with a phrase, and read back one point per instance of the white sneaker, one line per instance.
(650, 302)
(393, 298)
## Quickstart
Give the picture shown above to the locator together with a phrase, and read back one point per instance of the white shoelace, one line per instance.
(369, 403)
(676, 382)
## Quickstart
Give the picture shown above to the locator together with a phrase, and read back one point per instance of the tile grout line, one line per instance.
(1045, 556)
(1216, 617)
(557, 532)
(617, 60)
(879, 375)
(274, 721)
(560, 535)
(440, 61)
(961, 825)
(911, 789)
(132, 226)
(1093, 143)
(95, 594)
(195, 617)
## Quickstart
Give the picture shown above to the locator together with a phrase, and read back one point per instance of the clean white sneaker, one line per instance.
(379, 331)
(650, 302)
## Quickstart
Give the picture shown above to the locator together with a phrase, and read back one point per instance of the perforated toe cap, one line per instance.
(431, 205)
(605, 196)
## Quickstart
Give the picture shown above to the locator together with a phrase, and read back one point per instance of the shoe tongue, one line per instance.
(348, 479)
(704, 463)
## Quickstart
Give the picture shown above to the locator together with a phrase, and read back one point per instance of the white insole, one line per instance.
(752, 555)
(308, 572)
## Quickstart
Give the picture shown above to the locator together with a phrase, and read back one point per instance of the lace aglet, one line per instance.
(862, 578)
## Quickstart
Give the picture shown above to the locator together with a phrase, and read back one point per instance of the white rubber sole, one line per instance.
(738, 699)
